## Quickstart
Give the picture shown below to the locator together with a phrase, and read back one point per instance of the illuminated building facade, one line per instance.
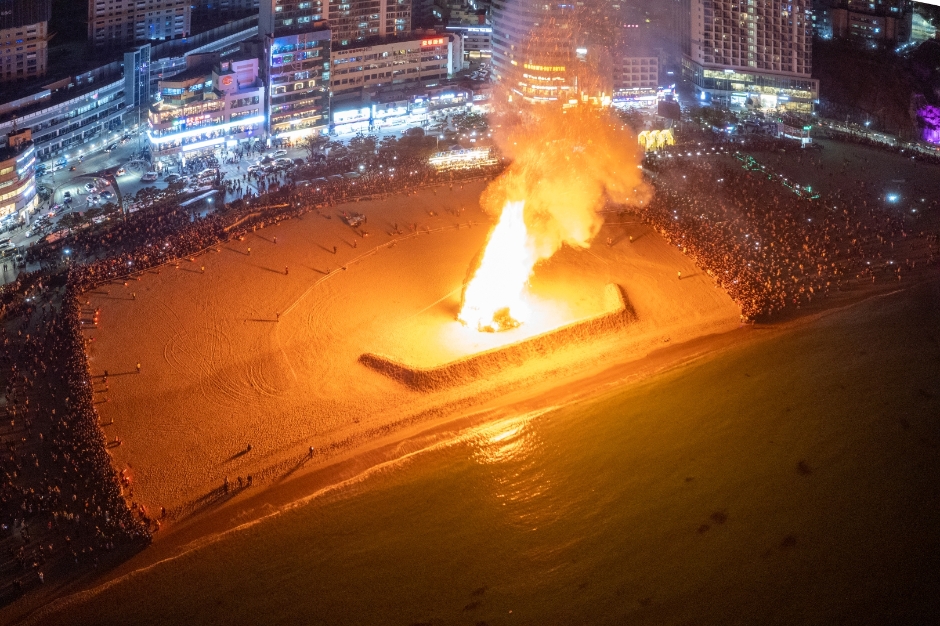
(533, 49)
(361, 71)
(477, 40)
(349, 20)
(24, 36)
(204, 109)
(298, 79)
(873, 20)
(18, 179)
(757, 53)
(124, 22)
(296, 66)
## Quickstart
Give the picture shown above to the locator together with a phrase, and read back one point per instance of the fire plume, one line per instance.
(566, 165)
(493, 299)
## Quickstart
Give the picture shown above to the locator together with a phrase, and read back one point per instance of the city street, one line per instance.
(70, 191)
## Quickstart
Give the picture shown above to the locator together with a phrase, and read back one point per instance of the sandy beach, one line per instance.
(234, 350)
(722, 447)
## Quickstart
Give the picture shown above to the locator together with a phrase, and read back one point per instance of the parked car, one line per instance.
(149, 177)
(173, 178)
(106, 195)
(279, 153)
(112, 147)
(121, 171)
(90, 187)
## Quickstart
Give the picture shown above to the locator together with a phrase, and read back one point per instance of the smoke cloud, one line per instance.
(566, 166)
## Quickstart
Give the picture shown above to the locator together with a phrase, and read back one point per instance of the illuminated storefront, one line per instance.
(202, 110)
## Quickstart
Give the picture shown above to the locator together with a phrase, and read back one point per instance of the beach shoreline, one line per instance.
(337, 475)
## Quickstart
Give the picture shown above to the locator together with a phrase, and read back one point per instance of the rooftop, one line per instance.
(8, 152)
(389, 39)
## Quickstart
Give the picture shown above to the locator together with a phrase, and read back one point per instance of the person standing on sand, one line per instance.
(138, 367)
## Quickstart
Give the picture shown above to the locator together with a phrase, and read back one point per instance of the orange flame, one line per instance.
(566, 166)
(493, 299)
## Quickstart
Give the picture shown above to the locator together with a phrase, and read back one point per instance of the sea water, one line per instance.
(791, 480)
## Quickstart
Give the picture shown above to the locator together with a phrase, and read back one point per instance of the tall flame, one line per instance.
(493, 299)
(565, 167)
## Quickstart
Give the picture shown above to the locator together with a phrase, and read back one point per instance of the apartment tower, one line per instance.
(120, 23)
(295, 67)
(756, 53)
(24, 37)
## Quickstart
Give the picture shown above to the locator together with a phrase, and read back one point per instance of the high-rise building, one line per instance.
(298, 80)
(533, 49)
(356, 20)
(210, 13)
(137, 77)
(24, 27)
(350, 20)
(224, 6)
(18, 198)
(119, 23)
(757, 53)
(360, 73)
(296, 67)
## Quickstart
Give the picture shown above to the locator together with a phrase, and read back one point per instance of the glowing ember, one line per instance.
(493, 300)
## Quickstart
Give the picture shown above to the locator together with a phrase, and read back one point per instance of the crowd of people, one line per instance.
(61, 503)
(771, 247)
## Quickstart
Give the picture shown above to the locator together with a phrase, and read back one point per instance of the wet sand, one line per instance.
(781, 475)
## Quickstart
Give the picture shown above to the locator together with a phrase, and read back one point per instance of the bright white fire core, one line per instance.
(494, 298)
